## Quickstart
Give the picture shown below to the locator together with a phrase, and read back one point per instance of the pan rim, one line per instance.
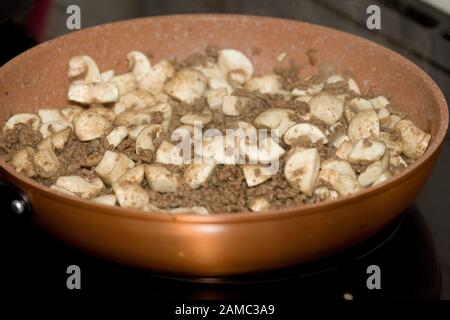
(283, 213)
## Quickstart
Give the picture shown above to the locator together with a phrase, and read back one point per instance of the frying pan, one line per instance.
(222, 244)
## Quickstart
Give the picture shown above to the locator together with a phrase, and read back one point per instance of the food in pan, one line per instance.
(207, 135)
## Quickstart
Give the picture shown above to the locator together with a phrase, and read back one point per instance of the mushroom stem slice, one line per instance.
(90, 93)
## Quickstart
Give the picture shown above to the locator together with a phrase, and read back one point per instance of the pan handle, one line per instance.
(14, 201)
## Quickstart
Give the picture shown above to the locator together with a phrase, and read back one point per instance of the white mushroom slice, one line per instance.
(82, 187)
(133, 131)
(139, 64)
(326, 108)
(304, 129)
(306, 98)
(371, 174)
(107, 113)
(349, 114)
(214, 97)
(107, 75)
(161, 179)
(260, 205)
(186, 85)
(130, 195)
(341, 166)
(264, 84)
(109, 200)
(195, 175)
(220, 83)
(59, 139)
(393, 146)
(379, 102)
(116, 136)
(364, 124)
(383, 177)
(89, 125)
(133, 118)
(344, 150)
(70, 112)
(264, 152)
(339, 140)
(136, 99)
(125, 83)
(209, 69)
(89, 93)
(412, 140)
(235, 66)
(196, 210)
(22, 161)
(25, 118)
(145, 139)
(366, 151)
(223, 149)
(256, 174)
(343, 184)
(302, 168)
(52, 127)
(46, 163)
(390, 122)
(166, 111)
(276, 118)
(84, 65)
(134, 175)
(193, 118)
(353, 86)
(359, 104)
(50, 115)
(335, 78)
(112, 166)
(168, 153)
(56, 188)
(154, 80)
(232, 105)
(323, 193)
(383, 115)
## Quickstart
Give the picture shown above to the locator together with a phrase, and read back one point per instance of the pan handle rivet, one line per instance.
(18, 206)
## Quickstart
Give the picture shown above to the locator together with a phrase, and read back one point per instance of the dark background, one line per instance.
(413, 28)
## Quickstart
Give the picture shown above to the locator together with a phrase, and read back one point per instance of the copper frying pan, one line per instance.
(229, 243)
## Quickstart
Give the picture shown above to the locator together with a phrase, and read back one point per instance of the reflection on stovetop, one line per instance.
(36, 264)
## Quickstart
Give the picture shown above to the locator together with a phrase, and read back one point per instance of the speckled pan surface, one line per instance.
(206, 245)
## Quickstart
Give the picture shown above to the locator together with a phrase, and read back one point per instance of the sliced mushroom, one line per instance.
(107, 75)
(60, 138)
(412, 140)
(84, 65)
(136, 99)
(223, 149)
(134, 175)
(364, 124)
(160, 179)
(390, 142)
(353, 86)
(186, 85)
(214, 97)
(22, 161)
(326, 108)
(344, 150)
(371, 174)
(139, 64)
(130, 195)
(145, 139)
(379, 102)
(256, 174)
(51, 115)
(195, 175)
(269, 84)
(108, 199)
(61, 190)
(260, 205)
(154, 80)
(209, 69)
(341, 166)
(304, 129)
(383, 177)
(232, 105)
(166, 111)
(339, 140)
(264, 152)
(25, 118)
(345, 185)
(389, 123)
(89, 125)
(366, 151)
(89, 93)
(80, 186)
(46, 163)
(133, 131)
(235, 66)
(168, 153)
(359, 104)
(112, 166)
(116, 136)
(192, 118)
(220, 83)
(323, 193)
(302, 168)
(397, 161)
(276, 118)
(124, 83)
(70, 112)
(133, 118)
(49, 128)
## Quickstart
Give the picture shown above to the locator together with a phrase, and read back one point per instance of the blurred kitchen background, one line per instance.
(418, 29)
